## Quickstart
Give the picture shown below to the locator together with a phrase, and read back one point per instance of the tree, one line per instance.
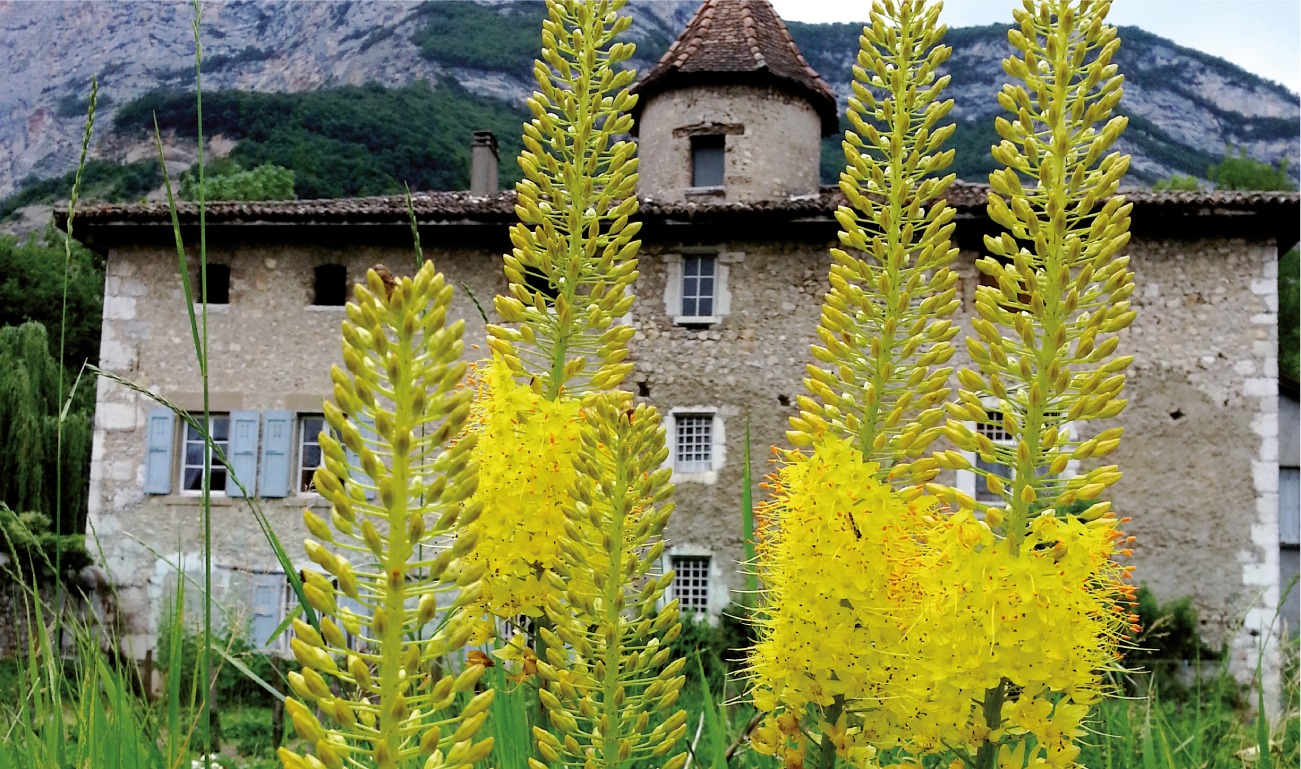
(31, 289)
(1177, 183)
(35, 476)
(1243, 172)
(266, 182)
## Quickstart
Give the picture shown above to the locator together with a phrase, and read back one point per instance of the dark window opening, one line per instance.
(218, 284)
(542, 284)
(784, 400)
(331, 285)
(643, 389)
(707, 155)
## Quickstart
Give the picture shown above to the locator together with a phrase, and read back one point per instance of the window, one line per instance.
(694, 443)
(218, 284)
(192, 452)
(995, 432)
(271, 600)
(707, 155)
(309, 451)
(1289, 505)
(691, 582)
(698, 286)
(331, 285)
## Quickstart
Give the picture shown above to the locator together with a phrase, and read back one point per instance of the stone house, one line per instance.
(733, 269)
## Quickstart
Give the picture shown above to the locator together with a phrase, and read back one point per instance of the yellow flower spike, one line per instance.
(393, 336)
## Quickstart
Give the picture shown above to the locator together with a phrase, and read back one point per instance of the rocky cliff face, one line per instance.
(1185, 106)
(50, 51)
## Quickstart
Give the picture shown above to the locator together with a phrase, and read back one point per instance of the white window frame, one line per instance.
(183, 465)
(299, 441)
(674, 281)
(719, 590)
(717, 444)
(967, 480)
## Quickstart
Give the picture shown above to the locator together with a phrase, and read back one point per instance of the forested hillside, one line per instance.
(358, 98)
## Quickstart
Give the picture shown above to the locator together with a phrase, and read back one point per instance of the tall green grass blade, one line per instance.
(175, 746)
(415, 229)
(716, 736)
(1264, 760)
(509, 721)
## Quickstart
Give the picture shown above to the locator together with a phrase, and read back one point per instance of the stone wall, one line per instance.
(1200, 453)
(772, 140)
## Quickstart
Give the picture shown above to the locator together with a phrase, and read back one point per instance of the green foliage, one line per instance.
(106, 181)
(31, 290)
(1289, 318)
(233, 687)
(35, 549)
(249, 730)
(1243, 172)
(1177, 183)
(344, 142)
(30, 402)
(502, 37)
(266, 182)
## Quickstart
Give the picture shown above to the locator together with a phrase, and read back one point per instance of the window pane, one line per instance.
(705, 307)
(690, 267)
(689, 307)
(218, 284)
(311, 456)
(220, 428)
(1289, 503)
(707, 266)
(694, 443)
(691, 582)
(192, 480)
(331, 285)
(707, 159)
(706, 286)
(193, 453)
(312, 427)
(218, 478)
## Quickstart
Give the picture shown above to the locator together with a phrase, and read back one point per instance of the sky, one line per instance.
(1261, 36)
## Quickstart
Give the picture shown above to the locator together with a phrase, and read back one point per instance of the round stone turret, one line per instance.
(732, 112)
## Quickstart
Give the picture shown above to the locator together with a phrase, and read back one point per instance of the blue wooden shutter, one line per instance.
(277, 451)
(160, 437)
(268, 592)
(365, 426)
(241, 454)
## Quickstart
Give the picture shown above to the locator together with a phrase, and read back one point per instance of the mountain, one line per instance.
(1184, 106)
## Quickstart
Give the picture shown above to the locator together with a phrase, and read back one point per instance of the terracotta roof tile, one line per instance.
(743, 41)
(436, 207)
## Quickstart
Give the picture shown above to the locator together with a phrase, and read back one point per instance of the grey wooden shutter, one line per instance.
(277, 452)
(1289, 506)
(241, 453)
(160, 437)
(268, 593)
(366, 426)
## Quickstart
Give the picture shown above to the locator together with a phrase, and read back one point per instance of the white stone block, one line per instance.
(1260, 387)
(1264, 425)
(1269, 449)
(1271, 367)
(115, 416)
(1271, 267)
(1263, 287)
(1245, 367)
(1264, 319)
(123, 470)
(1267, 509)
(1264, 476)
(119, 308)
(1259, 575)
(116, 356)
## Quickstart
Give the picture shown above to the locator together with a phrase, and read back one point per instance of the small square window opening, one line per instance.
(331, 286)
(996, 433)
(707, 160)
(192, 456)
(698, 282)
(691, 582)
(695, 436)
(218, 284)
(309, 452)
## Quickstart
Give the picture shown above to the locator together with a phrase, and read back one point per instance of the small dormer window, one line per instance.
(707, 153)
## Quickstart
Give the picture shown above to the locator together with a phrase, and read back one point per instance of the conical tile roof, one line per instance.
(739, 41)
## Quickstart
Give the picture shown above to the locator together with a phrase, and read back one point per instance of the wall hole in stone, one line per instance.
(542, 284)
(643, 389)
(1177, 414)
(331, 285)
(218, 289)
(784, 400)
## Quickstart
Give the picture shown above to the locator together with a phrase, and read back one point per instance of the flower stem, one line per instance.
(987, 756)
(827, 755)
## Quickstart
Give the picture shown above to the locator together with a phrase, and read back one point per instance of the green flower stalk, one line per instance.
(1045, 337)
(883, 328)
(604, 675)
(404, 485)
(574, 251)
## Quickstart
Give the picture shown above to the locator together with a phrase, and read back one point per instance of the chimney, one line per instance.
(483, 164)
